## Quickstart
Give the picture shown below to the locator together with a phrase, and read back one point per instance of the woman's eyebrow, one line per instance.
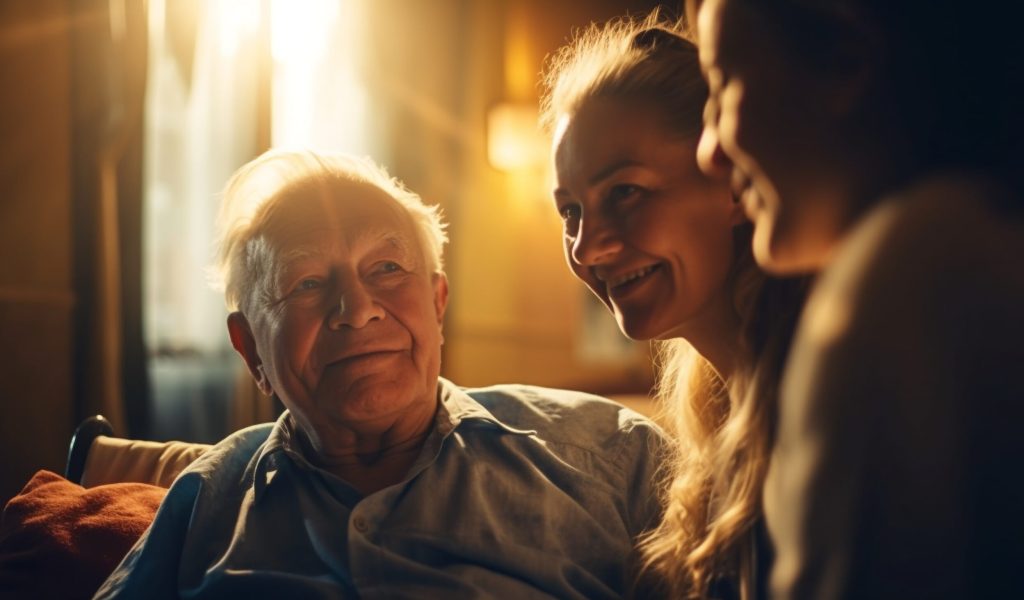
(601, 175)
(611, 169)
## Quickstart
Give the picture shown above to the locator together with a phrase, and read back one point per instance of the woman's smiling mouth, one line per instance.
(621, 285)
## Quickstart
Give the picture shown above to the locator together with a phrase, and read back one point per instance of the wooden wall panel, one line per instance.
(36, 298)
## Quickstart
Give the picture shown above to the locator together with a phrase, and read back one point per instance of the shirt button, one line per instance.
(360, 524)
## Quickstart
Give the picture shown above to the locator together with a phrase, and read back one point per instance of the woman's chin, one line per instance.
(637, 331)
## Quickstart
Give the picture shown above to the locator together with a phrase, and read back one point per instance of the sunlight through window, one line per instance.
(318, 98)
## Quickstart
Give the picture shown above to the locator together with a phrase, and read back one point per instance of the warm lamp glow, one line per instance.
(514, 140)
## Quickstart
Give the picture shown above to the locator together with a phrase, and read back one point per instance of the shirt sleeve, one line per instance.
(150, 569)
(645, 450)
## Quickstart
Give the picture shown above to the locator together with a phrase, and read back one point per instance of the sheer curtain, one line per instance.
(404, 82)
(206, 115)
(229, 78)
(320, 97)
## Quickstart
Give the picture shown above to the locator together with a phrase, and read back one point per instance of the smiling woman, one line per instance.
(882, 140)
(666, 248)
(644, 229)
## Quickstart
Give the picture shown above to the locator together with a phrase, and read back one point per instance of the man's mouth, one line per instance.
(361, 356)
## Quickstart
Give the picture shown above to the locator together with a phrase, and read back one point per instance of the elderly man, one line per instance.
(383, 479)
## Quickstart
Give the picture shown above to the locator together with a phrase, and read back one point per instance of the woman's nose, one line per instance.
(711, 159)
(596, 241)
(356, 307)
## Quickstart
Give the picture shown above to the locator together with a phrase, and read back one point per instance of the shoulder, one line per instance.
(236, 449)
(938, 250)
(563, 416)
(922, 236)
(923, 295)
(228, 464)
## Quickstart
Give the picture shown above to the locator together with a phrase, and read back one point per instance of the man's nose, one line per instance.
(356, 307)
(711, 159)
(596, 241)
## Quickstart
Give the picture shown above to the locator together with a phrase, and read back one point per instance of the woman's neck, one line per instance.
(715, 334)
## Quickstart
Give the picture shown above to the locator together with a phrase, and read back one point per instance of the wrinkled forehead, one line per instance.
(307, 213)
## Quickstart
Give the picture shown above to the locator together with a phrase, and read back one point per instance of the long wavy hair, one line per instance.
(723, 429)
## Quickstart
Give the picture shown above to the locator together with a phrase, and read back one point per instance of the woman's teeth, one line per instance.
(612, 283)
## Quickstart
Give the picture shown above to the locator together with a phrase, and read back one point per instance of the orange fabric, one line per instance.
(60, 540)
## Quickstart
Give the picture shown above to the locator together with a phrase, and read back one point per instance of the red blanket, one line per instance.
(60, 540)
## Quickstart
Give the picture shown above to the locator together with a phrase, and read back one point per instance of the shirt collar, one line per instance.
(280, 440)
(455, 408)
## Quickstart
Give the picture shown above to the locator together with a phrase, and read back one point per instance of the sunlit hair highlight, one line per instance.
(629, 59)
(251, 202)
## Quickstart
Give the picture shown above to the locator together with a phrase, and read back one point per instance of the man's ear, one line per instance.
(245, 344)
(440, 295)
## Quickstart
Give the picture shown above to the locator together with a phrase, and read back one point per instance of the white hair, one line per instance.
(253, 192)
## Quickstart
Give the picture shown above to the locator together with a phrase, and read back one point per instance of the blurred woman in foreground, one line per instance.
(881, 142)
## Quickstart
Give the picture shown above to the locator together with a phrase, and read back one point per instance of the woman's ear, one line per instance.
(244, 343)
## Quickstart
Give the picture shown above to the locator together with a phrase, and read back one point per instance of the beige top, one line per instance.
(897, 468)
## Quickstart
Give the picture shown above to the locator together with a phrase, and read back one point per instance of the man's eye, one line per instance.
(308, 284)
(389, 266)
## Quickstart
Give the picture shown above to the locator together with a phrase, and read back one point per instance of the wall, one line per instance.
(516, 312)
(36, 295)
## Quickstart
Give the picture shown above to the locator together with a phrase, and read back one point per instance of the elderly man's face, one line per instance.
(349, 334)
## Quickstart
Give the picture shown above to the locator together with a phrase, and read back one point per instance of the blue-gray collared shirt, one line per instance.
(519, 492)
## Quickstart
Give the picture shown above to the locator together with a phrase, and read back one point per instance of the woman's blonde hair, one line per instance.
(724, 430)
(645, 59)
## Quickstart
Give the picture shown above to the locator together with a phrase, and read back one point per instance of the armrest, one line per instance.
(81, 441)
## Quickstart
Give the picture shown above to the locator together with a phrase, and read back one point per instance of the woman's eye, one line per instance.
(622, 191)
(570, 214)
